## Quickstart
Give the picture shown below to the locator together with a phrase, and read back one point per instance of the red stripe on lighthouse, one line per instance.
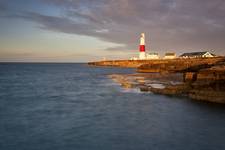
(142, 48)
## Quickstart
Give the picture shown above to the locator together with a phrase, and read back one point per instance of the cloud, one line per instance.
(169, 24)
(3, 9)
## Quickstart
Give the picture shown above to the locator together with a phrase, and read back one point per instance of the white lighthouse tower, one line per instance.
(142, 54)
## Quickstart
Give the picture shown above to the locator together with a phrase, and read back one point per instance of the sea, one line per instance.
(73, 106)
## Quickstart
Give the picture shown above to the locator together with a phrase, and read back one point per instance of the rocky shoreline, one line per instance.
(200, 79)
(173, 85)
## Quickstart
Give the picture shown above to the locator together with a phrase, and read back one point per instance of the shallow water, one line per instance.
(74, 106)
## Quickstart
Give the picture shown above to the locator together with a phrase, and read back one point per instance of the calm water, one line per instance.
(76, 107)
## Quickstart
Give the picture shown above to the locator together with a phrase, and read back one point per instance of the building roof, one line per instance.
(195, 54)
(153, 53)
(170, 54)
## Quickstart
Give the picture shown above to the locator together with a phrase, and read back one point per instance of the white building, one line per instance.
(170, 56)
(133, 58)
(197, 55)
(152, 56)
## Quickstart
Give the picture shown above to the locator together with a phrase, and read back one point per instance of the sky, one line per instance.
(90, 30)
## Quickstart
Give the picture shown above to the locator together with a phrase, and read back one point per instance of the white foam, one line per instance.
(131, 90)
(157, 85)
(175, 82)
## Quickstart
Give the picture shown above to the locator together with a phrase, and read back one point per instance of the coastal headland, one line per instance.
(197, 78)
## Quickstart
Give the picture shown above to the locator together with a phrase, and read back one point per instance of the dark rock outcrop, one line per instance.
(198, 89)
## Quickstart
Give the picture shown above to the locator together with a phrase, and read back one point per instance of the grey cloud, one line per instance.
(169, 24)
(3, 9)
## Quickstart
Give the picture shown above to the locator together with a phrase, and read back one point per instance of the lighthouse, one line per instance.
(142, 54)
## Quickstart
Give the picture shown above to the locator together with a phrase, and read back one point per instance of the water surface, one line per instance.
(76, 107)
